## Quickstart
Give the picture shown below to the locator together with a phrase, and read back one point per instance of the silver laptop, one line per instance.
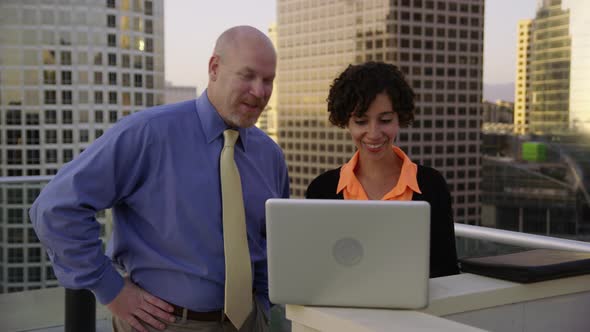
(348, 253)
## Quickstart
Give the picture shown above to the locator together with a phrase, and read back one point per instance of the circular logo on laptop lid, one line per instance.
(347, 251)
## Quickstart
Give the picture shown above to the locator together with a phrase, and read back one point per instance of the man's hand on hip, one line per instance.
(135, 305)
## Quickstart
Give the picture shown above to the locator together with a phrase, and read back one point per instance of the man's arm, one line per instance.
(63, 216)
(261, 269)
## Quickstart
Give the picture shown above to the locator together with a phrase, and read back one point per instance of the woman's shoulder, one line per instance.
(429, 177)
(324, 183)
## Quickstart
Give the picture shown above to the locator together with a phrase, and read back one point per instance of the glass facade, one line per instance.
(550, 69)
(553, 67)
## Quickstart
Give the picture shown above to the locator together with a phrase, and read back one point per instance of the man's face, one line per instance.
(243, 82)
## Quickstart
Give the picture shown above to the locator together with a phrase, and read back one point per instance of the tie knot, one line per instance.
(230, 137)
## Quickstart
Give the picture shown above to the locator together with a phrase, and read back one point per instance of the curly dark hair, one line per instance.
(354, 90)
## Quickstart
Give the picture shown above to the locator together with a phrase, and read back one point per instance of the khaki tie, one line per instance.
(238, 271)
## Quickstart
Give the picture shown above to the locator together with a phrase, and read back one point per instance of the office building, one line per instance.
(176, 93)
(437, 44)
(69, 70)
(521, 87)
(497, 117)
(553, 70)
(268, 119)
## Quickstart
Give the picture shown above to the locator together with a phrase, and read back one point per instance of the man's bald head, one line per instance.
(233, 39)
(241, 74)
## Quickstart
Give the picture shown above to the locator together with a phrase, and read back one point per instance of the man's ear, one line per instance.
(213, 67)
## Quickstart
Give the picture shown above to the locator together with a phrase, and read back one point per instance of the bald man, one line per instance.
(159, 171)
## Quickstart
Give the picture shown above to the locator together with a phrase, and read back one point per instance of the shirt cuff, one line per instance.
(109, 286)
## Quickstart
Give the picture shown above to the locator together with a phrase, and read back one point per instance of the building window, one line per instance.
(98, 117)
(32, 137)
(14, 157)
(14, 137)
(15, 274)
(112, 40)
(112, 116)
(125, 60)
(34, 273)
(67, 117)
(98, 133)
(50, 117)
(137, 62)
(138, 99)
(110, 3)
(149, 99)
(49, 76)
(66, 97)
(97, 77)
(51, 156)
(15, 216)
(148, 8)
(84, 138)
(68, 155)
(32, 118)
(15, 235)
(112, 78)
(126, 79)
(149, 27)
(50, 136)
(112, 59)
(111, 21)
(137, 80)
(149, 63)
(34, 255)
(67, 136)
(50, 97)
(33, 157)
(98, 59)
(49, 275)
(66, 57)
(112, 97)
(15, 255)
(66, 77)
(98, 97)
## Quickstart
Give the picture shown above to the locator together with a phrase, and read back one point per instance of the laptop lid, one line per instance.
(348, 253)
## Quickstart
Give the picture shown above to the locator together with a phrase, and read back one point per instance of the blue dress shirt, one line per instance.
(159, 171)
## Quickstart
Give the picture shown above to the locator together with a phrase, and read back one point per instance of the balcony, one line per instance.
(464, 302)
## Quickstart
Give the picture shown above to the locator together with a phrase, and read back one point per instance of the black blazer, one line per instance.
(443, 254)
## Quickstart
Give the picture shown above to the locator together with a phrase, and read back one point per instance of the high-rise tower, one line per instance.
(553, 70)
(68, 71)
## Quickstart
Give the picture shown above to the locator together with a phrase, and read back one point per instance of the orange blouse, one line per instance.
(403, 190)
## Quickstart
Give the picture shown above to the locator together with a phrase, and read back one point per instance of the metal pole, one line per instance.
(80, 311)
(519, 239)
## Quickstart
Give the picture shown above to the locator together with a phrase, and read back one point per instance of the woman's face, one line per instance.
(374, 132)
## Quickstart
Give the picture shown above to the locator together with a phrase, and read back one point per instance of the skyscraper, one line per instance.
(553, 69)
(268, 119)
(437, 44)
(68, 70)
(521, 85)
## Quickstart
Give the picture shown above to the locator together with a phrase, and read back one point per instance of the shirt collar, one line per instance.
(213, 125)
(407, 178)
(347, 177)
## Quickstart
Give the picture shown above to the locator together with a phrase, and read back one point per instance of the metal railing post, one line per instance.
(80, 311)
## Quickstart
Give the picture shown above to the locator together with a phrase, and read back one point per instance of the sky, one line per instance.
(191, 28)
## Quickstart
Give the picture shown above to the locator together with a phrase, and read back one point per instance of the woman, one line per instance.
(373, 101)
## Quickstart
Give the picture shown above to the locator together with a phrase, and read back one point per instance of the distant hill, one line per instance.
(493, 92)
